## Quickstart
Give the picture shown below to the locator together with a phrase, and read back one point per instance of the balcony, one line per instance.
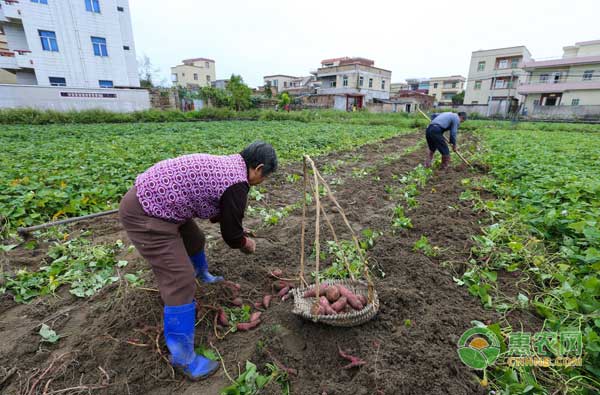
(24, 59)
(8, 60)
(529, 88)
(9, 9)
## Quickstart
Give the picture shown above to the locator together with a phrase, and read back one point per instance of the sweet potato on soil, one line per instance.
(352, 299)
(222, 318)
(354, 361)
(246, 326)
(276, 273)
(280, 284)
(340, 304)
(332, 293)
(283, 292)
(266, 301)
(258, 305)
(255, 316)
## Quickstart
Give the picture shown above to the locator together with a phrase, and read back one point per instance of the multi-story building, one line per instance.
(354, 81)
(571, 80)
(280, 82)
(418, 85)
(493, 78)
(396, 87)
(77, 43)
(444, 88)
(81, 47)
(194, 73)
(5, 76)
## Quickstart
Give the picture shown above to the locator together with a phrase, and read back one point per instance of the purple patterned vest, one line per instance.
(188, 186)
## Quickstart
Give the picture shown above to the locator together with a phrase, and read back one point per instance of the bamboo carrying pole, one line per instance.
(319, 209)
(457, 153)
(25, 231)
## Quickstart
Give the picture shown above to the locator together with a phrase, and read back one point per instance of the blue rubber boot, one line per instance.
(179, 327)
(201, 266)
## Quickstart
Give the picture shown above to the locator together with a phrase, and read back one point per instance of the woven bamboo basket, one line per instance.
(303, 306)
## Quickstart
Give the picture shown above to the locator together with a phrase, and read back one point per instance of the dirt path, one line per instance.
(113, 339)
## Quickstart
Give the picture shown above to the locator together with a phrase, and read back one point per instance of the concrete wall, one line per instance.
(565, 112)
(586, 98)
(52, 98)
(7, 78)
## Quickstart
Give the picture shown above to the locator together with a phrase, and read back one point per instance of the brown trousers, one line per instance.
(166, 246)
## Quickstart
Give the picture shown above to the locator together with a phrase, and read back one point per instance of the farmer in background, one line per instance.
(158, 213)
(435, 136)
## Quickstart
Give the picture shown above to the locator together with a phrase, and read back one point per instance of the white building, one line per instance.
(81, 48)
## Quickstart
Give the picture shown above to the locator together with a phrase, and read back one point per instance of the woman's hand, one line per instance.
(249, 246)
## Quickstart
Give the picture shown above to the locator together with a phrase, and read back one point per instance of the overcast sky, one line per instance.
(410, 38)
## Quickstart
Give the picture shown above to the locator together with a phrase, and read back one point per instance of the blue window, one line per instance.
(106, 84)
(92, 6)
(48, 39)
(58, 81)
(99, 45)
(40, 1)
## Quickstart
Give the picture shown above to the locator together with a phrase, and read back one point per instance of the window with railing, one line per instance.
(588, 75)
(345, 80)
(544, 78)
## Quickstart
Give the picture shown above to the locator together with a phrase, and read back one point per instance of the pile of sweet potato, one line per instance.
(335, 299)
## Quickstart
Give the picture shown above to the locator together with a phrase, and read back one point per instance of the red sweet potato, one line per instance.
(332, 293)
(258, 305)
(246, 326)
(280, 284)
(340, 304)
(327, 309)
(283, 292)
(362, 299)
(255, 316)
(352, 299)
(266, 301)
(222, 318)
(313, 291)
(276, 273)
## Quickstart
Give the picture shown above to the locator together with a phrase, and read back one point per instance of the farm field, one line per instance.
(516, 248)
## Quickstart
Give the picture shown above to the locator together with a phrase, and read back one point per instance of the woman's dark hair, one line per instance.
(260, 153)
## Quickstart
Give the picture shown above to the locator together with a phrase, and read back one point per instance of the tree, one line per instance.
(284, 99)
(459, 98)
(147, 72)
(239, 93)
(267, 91)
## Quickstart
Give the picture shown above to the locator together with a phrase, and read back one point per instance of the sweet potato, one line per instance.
(266, 301)
(276, 273)
(255, 316)
(313, 291)
(362, 299)
(332, 293)
(340, 304)
(352, 299)
(258, 305)
(246, 326)
(222, 318)
(237, 302)
(327, 309)
(283, 292)
(280, 284)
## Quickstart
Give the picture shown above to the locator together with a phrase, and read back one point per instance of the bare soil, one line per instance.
(113, 342)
